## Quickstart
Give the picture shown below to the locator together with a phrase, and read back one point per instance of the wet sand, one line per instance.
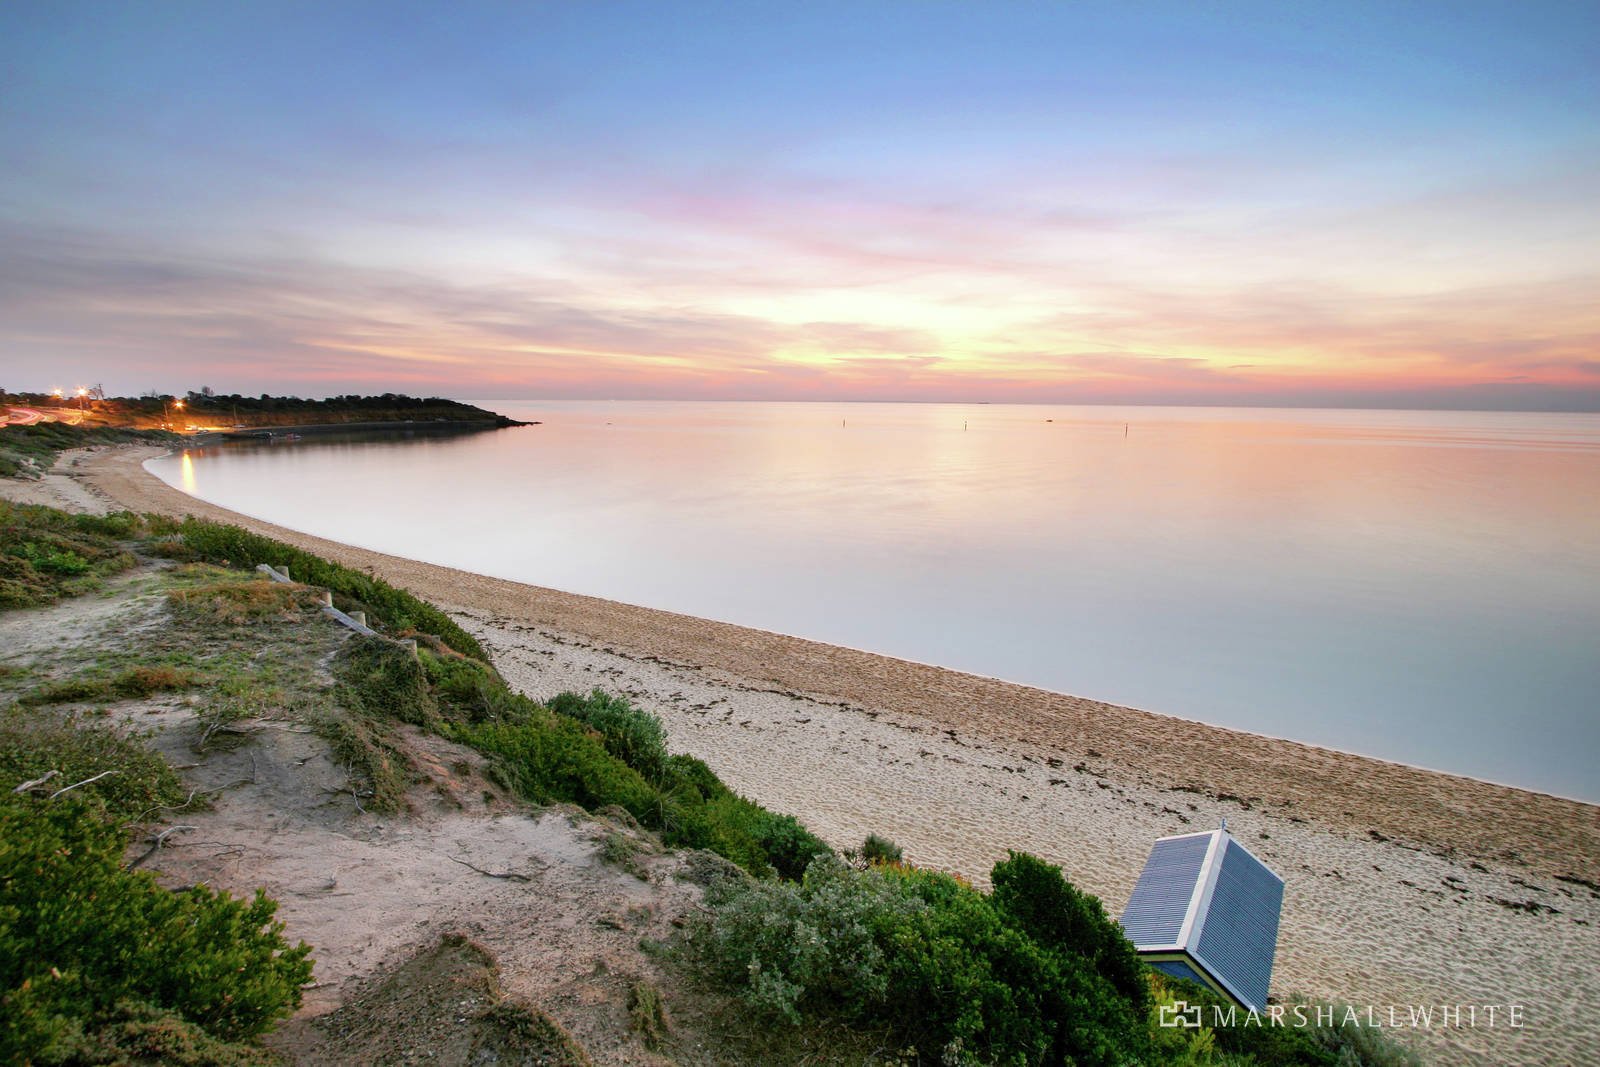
(1403, 886)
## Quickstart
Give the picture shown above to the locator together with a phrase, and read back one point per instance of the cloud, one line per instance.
(108, 308)
(137, 315)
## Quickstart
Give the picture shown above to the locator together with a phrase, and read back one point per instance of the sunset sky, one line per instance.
(1342, 203)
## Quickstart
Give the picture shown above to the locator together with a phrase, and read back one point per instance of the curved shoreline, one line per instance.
(1358, 794)
(1402, 885)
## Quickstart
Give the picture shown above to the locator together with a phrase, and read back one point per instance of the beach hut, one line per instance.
(1207, 909)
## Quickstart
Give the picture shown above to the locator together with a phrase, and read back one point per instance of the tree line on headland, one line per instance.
(209, 409)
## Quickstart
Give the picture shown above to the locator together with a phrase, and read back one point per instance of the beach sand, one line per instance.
(1403, 886)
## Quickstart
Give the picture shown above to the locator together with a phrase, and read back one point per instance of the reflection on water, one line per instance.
(1423, 586)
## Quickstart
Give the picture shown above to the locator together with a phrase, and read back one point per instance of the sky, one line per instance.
(1326, 204)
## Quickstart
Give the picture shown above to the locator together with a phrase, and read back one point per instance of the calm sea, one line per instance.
(1418, 586)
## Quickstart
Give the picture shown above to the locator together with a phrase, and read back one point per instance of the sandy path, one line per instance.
(1404, 886)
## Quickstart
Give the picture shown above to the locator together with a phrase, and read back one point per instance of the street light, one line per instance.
(167, 406)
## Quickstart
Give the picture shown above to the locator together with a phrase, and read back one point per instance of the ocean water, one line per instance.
(1417, 586)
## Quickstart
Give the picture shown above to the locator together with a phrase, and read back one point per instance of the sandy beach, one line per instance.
(1404, 887)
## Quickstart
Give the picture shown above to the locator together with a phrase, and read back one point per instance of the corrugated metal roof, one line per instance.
(1155, 912)
(1239, 930)
(1209, 898)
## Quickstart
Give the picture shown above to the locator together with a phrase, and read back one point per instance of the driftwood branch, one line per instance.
(86, 781)
(193, 793)
(512, 875)
(25, 786)
(156, 842)
(218, 727)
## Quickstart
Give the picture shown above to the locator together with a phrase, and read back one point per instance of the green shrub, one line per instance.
(1035, 897)
(631, 734)
(788, 846)
(141, 780)
(548, 757)
(50, 560)
(815, 945)
(694, 808)
(921, 954)
(392, 608)
(131, 1032)
(551, 759)
(686, 775)
(79, 936)
(466, 689)
(1349, 1044)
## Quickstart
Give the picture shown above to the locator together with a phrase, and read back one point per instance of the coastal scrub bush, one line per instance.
(550, 758)
(132, 1032)
(31, 748)
(695, 808)
(120, 525)
(46, 554)
(81, 939)
(1037, 898)
(392, 608)
(631, 734)
(465, 689)
(921, 954)
(814, 945)
(762, 842)
(1352, 1044)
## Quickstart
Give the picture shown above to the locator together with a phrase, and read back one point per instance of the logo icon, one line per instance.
(1180, 1013)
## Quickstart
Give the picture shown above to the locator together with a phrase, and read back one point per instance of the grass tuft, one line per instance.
(647, 1015)
(134, 683)
(240, 601)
